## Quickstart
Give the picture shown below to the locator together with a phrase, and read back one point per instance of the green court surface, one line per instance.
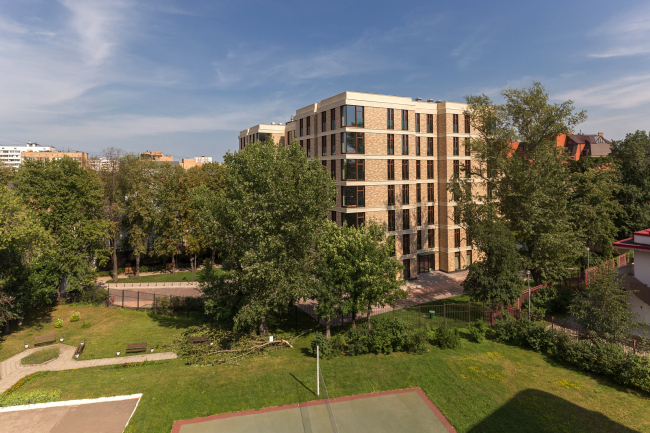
(392, 411)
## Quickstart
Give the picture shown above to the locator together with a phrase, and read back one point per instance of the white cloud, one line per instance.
(626, 34)
(625, 92)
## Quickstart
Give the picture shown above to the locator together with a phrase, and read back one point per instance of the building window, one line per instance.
(429, 123)
(417, 122)
(308, 146)
(391, 220)
(456, 141)
(468, 168)
(323, 121)
(390, 144)
(457, 260)
(419, 218)
(455, 122)
(333, 144)
(308, 125)
(405, 120)
(301, 130)
(456, 167)
(333, 119)
(334, 216)
(355, 219)
(334, 169)
(419, 240)
(431, 214)
(324, 164)
(407, 269)
(405, 144)
(302, 144)
(353, 196)
(469, 259)
(405, 219)
(456, 215)
(353, 169)
(405, 169)
(323, 145)
(457, 238)
(352, 142)
(417, 169)
(429, 169)
(467, 148)
(391, 169)
(390, 118)
(466, 124)
(391, 195)
(431, 240)
(430, 193)
(405, 194)
(406, 244)
(394, 246)
(417, 146)
(429, 146)
(352, 115)
(418, 192)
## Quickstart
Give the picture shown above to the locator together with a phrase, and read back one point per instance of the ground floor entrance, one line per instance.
(426, 262)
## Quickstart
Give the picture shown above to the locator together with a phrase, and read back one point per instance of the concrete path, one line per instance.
(11, 370)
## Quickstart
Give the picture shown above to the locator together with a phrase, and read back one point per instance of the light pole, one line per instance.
(528, 275)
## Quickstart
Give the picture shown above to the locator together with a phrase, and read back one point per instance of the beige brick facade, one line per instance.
(443, 254)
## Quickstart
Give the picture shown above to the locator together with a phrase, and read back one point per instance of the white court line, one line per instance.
(72, 403)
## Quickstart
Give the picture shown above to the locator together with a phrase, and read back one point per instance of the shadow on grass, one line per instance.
(537, 411)
(36, 319)
(301, 383)
(179, 322)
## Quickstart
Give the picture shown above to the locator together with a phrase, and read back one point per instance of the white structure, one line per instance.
(638, 281)
(10, 155)
(203, 159)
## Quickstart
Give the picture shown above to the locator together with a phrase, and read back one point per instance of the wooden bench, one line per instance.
(136, 347)
(43, 339)
(80, 348)
(129, 272)
(196, 340)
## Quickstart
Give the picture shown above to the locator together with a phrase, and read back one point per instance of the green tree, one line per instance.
(603, 307)
(530, 191)
(6, 173)
(68, 201)
(136, 184)
(171, 224)
(632, 159)
(271, 213)
(22, 242)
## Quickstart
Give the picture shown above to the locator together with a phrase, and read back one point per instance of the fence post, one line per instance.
(122, 298)
(170, 304)
(444, 313)
(469, 312)
(154, 303)
(393, 311)
(295, 311)
(187, 305)
(552, 323)
(419, 318)
(137, 305)
(108, 300)
(634, 341)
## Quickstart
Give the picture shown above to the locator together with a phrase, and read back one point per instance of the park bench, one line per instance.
(49, 338)
(129, 272)
(196, 340)
(136, 347)
(80, 348)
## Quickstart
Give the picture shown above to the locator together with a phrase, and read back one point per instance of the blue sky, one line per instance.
(185, 77)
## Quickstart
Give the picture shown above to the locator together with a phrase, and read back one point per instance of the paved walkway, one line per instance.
(11, 370)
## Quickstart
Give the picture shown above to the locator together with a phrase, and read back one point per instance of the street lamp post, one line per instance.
(528, 275)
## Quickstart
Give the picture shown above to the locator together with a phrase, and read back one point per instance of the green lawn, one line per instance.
(41, 356)
(487, 387)
(111, 329)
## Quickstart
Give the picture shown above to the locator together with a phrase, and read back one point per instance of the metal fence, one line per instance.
(155, 303)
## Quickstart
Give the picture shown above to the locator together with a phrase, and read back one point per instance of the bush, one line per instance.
(94, 294)
(75, 316)
(551, 300)
(386, 335)
(31, 397)
(338, 345)
(357, 341)
(58, 323)
(86, 325)
(477, 330)
(446, 338)
(506, 329)
(324, 345)
(416, 341)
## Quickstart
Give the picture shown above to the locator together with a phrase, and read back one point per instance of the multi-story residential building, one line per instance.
(577, 146)
(156, 155)
(11, 155)
(197, 161)
(392, 158)
(81, 157)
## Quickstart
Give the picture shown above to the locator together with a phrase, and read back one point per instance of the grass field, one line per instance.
(487, 387)
(41, 356)
(111, 330)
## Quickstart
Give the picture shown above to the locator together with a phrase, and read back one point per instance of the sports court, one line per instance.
(407, 410)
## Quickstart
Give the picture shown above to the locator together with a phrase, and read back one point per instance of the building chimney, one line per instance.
(601, 134)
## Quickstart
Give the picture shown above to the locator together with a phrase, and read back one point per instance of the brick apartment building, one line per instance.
(392, 158)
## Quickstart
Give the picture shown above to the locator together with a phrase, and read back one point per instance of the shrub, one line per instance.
(58, 323)
(40, 356)
(477, 330)
(416, 341)
(86, 325)
(506, 329)
(31, 397)
(324, 345)
(357, 341)
(386, 335)
(338, 345)
(446, 338)
(75, 316)
(551, 300)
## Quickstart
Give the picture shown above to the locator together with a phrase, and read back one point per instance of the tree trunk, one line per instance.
(354, 320)
(115, 259)
(264, 327)
(213, 256)
(328, 323)
(368, 316)
(173, 263)
(194, 263)
(137, 265)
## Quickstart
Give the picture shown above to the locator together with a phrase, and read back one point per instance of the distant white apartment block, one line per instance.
(10, 155)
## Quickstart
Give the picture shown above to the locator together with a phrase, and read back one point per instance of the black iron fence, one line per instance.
(155, 303)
